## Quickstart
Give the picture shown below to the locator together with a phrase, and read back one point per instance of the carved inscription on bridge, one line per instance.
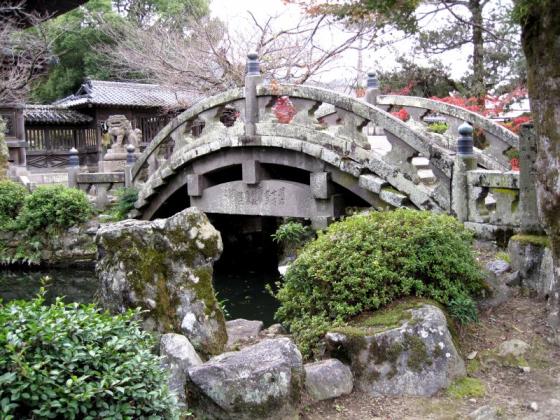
(267, 198)
(255, 195)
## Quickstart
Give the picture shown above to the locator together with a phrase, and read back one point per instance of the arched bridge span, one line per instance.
(273, 151)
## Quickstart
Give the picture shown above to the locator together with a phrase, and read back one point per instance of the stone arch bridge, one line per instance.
(302, 151)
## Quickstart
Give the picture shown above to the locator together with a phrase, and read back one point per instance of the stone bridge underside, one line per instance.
(271, 181)
(233, 154)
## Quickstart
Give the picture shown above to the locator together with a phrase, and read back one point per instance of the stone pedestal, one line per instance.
(115, 159)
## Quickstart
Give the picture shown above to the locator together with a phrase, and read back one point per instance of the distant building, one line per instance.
(79, 119)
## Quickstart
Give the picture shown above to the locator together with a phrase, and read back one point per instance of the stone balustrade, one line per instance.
(492, 143)
(493, 201)
(100, 184)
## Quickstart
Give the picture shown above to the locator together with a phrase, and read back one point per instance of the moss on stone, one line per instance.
(418, 357)
(204, 289)
(385, 319)
(467, 388)
(538, 240)
(505, 191)
(438, 352)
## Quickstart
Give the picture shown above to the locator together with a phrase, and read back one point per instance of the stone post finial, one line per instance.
(73, 168)
(130, 156)
(253, 65)
(73, 159)
(252, 79)
(372, 90)
(372, 82)
(465, 142)
(130, 159)
(465, 161)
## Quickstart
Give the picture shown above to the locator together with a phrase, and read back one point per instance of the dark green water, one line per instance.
(74, 285)
(244, 294)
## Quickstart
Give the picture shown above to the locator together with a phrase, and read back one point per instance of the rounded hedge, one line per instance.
(367, 261)
(73, 361)
(12, 196)
(54, 206)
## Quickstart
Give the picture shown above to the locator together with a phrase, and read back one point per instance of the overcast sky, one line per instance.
(234, 12)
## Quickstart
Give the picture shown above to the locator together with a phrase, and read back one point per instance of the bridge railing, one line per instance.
(491, 202)
(283, 115)
(225, 108)
(492, 140)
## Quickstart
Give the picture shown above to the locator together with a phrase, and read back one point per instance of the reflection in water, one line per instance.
(249, 262)
(74, 285)
(245, 295)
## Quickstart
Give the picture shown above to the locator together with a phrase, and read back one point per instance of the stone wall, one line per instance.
(75, 246)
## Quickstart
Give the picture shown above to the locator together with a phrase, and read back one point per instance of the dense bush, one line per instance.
(366, 261)
(12, 196)
(291, 233)
(54, 206)
(72, 361)
(126, 197)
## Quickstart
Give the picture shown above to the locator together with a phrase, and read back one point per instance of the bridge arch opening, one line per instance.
(250, 258)
(248, 264)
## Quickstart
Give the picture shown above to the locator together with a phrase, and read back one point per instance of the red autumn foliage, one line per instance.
(402, 114)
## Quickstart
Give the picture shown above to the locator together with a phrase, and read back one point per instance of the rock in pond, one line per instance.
(262, 381)
(412, 354)
(165, 267)
(241, 330)
(178, 355)
(328, 379)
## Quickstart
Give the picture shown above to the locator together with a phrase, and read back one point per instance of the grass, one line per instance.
(504, 256)
(466, 388)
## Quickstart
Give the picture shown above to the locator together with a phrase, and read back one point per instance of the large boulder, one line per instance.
(328, 379)
(263, 381)
(165, 267)
(413, 354)
(242, 330)
(178, 355)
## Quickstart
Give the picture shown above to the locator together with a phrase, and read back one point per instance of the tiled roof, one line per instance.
(97, 92)
(49, 114)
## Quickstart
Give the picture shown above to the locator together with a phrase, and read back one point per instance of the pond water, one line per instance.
(74, 285)
(243, 293)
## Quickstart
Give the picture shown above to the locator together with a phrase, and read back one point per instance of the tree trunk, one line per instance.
(479, 86)
(541, 44)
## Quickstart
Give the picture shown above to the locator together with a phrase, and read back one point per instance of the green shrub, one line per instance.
(54, 206)
(291, 233)
(367, 261)
(463, 309)
(12, 196)
(126, 197)
(73, 361)
(438, 127)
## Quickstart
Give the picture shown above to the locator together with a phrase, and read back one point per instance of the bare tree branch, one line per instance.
(24, 54)
(210, 57)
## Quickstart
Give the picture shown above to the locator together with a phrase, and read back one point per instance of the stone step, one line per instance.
(426, 176)
(372, 183)
(420, 163)
(393, 197)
